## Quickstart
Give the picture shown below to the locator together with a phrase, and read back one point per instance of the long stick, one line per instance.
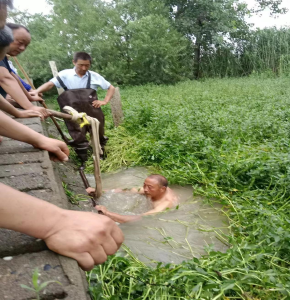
(97, 172)
(43, 104)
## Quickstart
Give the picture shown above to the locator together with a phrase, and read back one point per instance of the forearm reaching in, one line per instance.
(28, 95)
(10, 128)
(117, 217)
(11, 87)
(10, 109)
(44, 88)
(86, 237)
(124, 218)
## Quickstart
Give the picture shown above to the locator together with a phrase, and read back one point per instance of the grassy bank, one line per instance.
(229, 139)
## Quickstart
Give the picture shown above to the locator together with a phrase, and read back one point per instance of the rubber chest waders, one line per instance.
(81, 100)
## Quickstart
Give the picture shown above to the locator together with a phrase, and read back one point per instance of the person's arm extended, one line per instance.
(45, 87)
(86, 237)
(28, 96)
(10, 109)
(124, 219)
(12, 129)
(159, 208)
(109, 95)
(117, 217)
(11, 86)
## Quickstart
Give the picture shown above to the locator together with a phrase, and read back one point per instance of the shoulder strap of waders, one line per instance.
(61, 83)
(89, 81)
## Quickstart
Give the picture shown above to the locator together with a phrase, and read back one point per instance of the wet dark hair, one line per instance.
(14, 26)
(161, 179)
(82, 56)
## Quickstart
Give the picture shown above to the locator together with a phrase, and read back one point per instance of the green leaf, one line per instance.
(35, 278)
(27, 287)
(228, 285)
(44, 284)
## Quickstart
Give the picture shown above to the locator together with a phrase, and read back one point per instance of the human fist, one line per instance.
(42, 110)
(101, 208)
(98, 103)
(86, 237)
(58, 150)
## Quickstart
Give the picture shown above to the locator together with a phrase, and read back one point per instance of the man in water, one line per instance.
(156, 189)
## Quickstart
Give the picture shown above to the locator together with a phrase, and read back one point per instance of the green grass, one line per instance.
(230, 140)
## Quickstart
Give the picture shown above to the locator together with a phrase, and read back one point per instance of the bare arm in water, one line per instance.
(123, 219)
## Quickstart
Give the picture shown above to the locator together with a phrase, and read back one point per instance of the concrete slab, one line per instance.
(21, 169)
(15, 243)
(21, 158)
(29, 121)
(27, 182)
(50, 266)
(30, 170)
(12, 146)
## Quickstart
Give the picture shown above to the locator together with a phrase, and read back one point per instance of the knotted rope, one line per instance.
(83, 119)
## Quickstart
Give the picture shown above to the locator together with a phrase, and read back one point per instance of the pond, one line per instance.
(179, 234)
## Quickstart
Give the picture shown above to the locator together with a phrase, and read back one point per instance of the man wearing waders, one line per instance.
(80, 86)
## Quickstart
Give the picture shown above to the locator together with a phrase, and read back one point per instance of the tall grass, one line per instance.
(230, 140)
(261, 51)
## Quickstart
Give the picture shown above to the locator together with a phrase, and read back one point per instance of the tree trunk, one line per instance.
(197, 58)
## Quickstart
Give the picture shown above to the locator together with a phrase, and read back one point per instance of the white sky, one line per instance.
(40, 6)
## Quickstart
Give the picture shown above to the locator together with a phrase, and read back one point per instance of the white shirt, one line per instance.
(73, 81)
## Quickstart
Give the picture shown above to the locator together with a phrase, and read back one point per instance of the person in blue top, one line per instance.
(14, 71)
(80, 87)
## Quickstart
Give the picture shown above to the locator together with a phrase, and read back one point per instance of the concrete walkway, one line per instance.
(29, 170)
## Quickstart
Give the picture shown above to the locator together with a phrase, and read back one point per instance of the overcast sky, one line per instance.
(40, 6)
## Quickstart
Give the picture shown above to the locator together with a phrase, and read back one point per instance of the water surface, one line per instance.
(179, 234)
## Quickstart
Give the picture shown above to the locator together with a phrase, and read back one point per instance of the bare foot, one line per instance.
(1, 139)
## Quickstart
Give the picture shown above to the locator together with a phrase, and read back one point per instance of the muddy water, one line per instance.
(172, 236)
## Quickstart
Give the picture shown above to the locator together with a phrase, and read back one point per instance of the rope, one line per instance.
(83, 119)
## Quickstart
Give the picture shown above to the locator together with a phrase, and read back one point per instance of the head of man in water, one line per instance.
(155, 186)
(22, 39)
(82, 62)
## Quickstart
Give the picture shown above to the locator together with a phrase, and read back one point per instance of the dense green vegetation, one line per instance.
(229, 139)
(156, 41)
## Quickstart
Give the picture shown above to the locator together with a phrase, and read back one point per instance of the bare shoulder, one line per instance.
(172, 197)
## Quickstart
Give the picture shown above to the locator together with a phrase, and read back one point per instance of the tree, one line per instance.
(210, 23)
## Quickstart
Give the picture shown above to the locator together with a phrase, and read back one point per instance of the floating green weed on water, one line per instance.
(229, 139)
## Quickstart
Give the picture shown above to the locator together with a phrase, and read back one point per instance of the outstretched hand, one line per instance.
(42, 110)
(29, 114)
(98, 103)
(101, 208)
(91, 191)
(58, 150)
(86, 237)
